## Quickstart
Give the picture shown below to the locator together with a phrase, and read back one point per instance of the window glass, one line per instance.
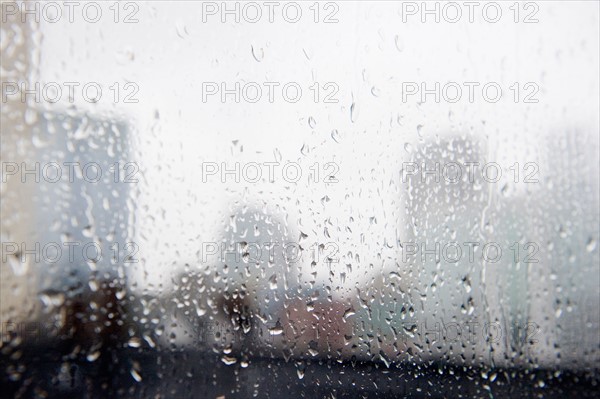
(323, 199)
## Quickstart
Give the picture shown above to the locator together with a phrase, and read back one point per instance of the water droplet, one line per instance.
(181, 30)
(91, 357)
(399, 43)
(305, 149)
(258, 54)
(353, 112)
(136, 375)
(273, 282)
(335, 135)
(348, 313)
(277, 330)
(591, 245)
(229, 360)
(420, 131)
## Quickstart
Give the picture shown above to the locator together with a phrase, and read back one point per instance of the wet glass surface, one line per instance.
(304, 199)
